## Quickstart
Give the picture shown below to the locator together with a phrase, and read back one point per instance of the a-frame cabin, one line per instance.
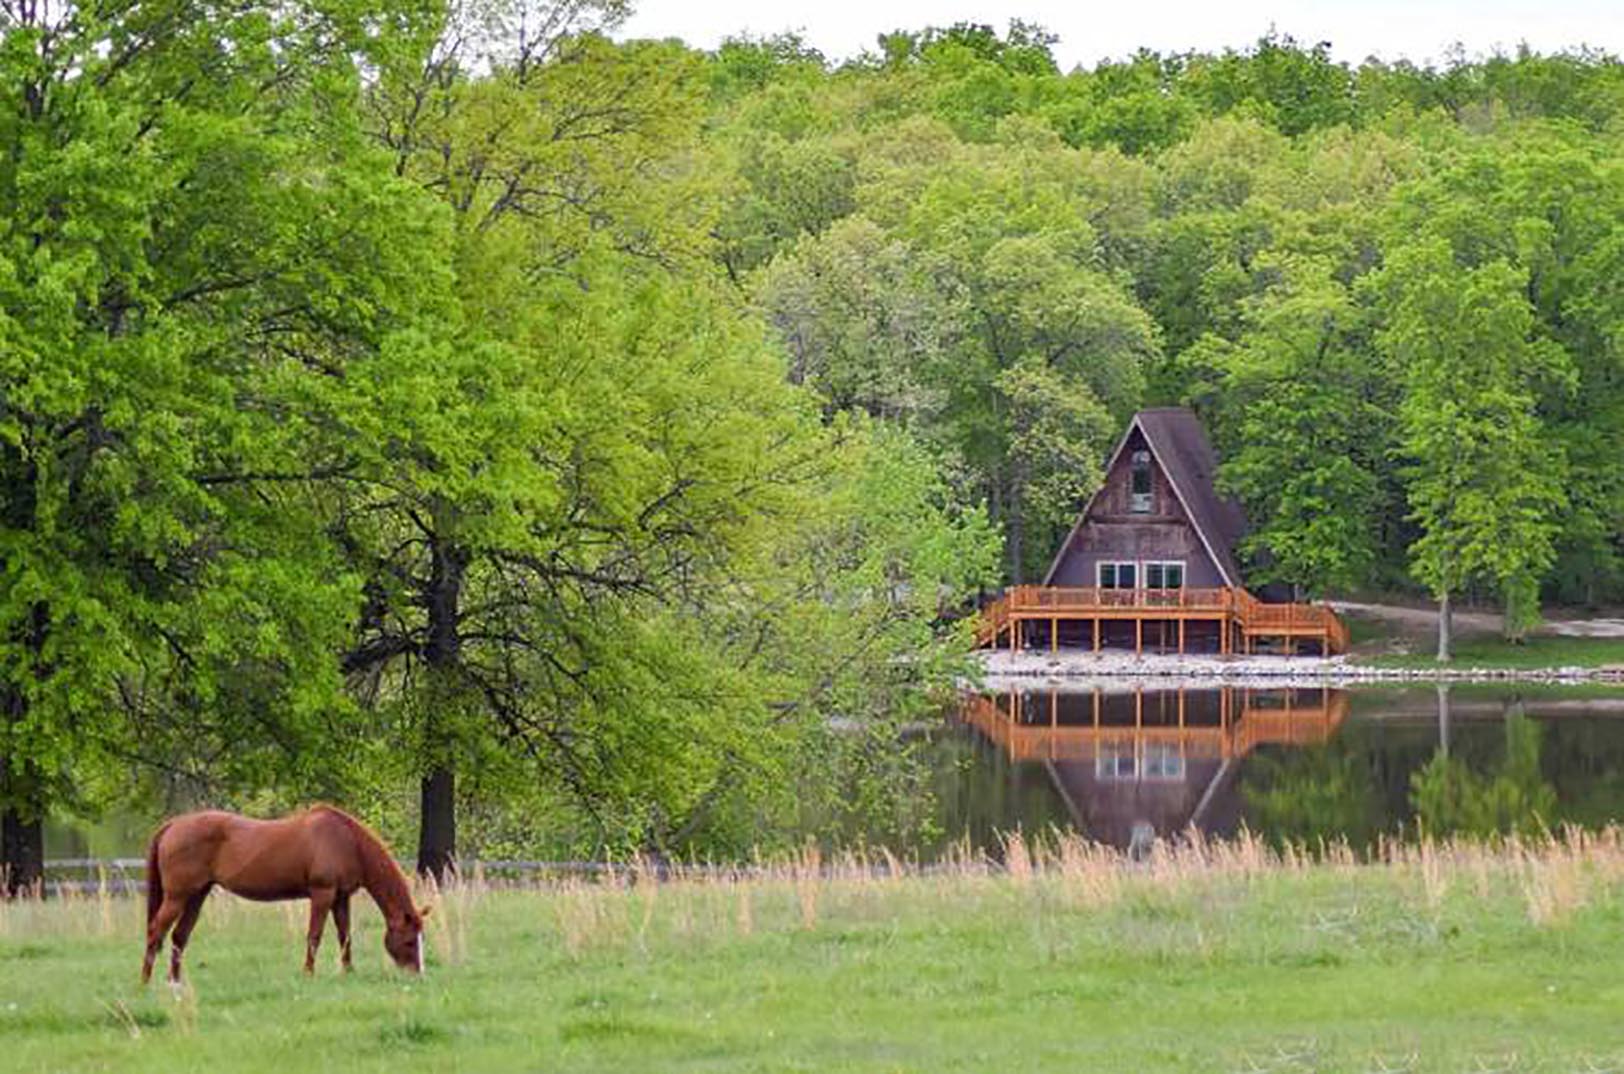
(1157, 520)
(1152, 559)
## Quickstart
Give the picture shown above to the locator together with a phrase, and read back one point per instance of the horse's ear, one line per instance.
(424, 910)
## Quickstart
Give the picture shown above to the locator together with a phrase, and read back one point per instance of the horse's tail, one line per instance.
(155, 880)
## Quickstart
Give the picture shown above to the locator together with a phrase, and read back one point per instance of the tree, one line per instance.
(194, 243)
(1484, 480)
(864, 325)
(1305, 426)
(1055, 433)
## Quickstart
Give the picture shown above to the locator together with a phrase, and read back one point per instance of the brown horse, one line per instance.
(322, 854)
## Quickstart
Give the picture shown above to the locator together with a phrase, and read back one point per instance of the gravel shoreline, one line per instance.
(1216, 670)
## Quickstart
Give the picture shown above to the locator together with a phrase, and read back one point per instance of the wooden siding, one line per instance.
(1112, 531)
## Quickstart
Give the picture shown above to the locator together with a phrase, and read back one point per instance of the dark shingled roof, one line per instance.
(1180, 445)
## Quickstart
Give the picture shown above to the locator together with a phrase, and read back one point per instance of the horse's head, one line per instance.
(404, 939)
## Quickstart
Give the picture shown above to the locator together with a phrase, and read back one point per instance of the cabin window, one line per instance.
(1164, 575)
(1139, 502)
(1156, 761)
(1115, 766)
(1161, 761)
(1119, 575)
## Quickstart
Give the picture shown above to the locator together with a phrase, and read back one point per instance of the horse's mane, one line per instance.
(383, 876)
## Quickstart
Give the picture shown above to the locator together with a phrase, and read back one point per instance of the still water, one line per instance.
(1120, 764)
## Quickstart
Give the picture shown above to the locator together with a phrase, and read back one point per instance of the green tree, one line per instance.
(1484, 480)
(195, 244)
(1306, 426)
(864, 324)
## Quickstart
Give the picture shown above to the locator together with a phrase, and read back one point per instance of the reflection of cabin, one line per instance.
(1155, 760)
(1152, 561)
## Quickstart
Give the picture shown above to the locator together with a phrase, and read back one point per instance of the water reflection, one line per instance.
(1121, 763)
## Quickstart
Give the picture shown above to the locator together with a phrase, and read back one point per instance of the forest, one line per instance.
(540, 441)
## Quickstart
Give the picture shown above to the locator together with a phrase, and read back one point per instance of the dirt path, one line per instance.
(1426, 619)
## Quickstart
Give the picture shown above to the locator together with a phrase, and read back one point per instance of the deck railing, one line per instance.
(1086, 598)
(1253, 616)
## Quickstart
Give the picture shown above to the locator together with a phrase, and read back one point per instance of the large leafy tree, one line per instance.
(599, 465)
(1305, 404)
(196, 243)
(1484, 478)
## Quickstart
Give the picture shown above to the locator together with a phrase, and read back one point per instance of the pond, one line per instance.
(1121, 764)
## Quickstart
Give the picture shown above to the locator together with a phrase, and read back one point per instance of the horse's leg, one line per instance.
(321, 901)
(168, 911)
(183, 933)
(341, 924)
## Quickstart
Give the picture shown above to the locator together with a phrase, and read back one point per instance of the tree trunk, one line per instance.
(437, 825)
(1445, 629)
(1017, 537)
(437, 831)
(22, 852)
(22, 822)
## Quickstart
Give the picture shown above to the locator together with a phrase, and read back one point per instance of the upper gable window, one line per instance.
(1139, 501)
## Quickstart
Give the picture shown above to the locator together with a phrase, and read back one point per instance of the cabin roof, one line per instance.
(1181, 448)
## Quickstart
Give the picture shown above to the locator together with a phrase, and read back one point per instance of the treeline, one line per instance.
(602, 438)
(1392, 292)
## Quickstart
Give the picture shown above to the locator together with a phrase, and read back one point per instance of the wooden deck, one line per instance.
(1241, 620)
(1027, 727)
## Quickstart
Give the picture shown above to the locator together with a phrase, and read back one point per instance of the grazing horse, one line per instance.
(322, 854)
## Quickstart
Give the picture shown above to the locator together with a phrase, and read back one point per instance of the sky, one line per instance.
(1419, 30)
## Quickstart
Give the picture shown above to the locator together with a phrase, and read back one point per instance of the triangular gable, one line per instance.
(1180, 448)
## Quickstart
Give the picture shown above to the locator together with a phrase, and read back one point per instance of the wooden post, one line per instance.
(1138, 636)
(1138, 707)
(1096, 633)
(1181, 637)
(1054, 709)
(1096, 708)
(1054, 634)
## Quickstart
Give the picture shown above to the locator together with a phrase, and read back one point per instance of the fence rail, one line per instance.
(86, 877)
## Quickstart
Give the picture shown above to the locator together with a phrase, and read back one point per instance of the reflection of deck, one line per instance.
(1237, 620)
(1033, 726)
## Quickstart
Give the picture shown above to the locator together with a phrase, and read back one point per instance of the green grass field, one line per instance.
(1223, 961)
(1539, 651)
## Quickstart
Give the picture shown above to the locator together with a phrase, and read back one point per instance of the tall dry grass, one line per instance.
(1552, 876)
(641, 904)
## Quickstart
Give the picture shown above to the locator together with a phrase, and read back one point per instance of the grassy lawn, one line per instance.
(1488, 961)
(1537, 652)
